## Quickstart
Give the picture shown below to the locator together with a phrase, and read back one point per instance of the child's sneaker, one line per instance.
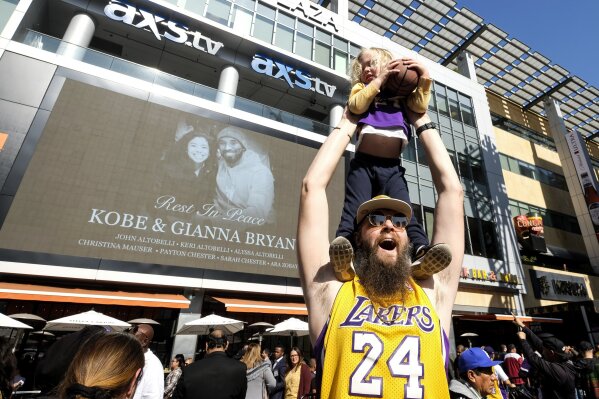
(430, 260)
(341, 253)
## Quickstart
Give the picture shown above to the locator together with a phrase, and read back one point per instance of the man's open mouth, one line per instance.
(388, 244)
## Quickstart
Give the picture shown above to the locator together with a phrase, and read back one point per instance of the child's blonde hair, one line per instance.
(380, 57)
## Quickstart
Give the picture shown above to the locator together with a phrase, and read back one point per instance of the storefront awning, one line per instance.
(506, 317)
(249, 306)
(27, 292)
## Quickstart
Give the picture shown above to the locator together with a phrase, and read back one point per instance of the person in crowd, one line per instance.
(459, 349)
(216, 376)
(151, 385)
(298, 378)
(172, 378)
(556, 374)
(8, 366)
(502, 352)
(279, 369)
(188, 171)
(55, 363)
(107, 366)
(596, 352)
(383, 132)
(476, 377)
(266, 357)
(260, 379)
(502, 382)
(344, 330)
(512, 362)
(243, 181)
(188, 361)
(587, 366)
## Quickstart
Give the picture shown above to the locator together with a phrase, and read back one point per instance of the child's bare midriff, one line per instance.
(380, 146)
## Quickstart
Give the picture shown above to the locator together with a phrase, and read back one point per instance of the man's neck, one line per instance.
(210, 351)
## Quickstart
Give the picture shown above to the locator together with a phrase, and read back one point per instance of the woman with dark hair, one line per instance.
(8, 365)
(108, 366)
(177, 365)
(298, 377)
(189, 170)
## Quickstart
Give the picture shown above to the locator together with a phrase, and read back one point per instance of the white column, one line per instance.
(466, 65)
(227, 86)
(78, 36)
(335, 115)
(557, 128)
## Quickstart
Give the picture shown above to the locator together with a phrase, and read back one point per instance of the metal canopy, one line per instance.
(438, 30)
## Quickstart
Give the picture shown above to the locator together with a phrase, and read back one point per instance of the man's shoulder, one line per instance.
(152, 360)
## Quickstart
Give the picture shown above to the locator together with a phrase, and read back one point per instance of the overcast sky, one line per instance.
(566, 32)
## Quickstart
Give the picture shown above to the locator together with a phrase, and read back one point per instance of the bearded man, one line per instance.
(381, 334)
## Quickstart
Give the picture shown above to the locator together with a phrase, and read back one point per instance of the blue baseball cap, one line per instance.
(474, 358)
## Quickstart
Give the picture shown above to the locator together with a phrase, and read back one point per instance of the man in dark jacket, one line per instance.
(476, 376)
(556, 373)
(216, 376)
(279, 368)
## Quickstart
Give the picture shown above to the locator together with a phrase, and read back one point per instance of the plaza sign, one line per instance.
(294, 77)
(311, 11)
(160, 27)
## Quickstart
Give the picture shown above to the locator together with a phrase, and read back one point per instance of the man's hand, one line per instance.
(521, 334)
(518, 322)
(417, 66)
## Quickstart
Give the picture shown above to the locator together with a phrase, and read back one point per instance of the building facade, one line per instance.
(116, 173)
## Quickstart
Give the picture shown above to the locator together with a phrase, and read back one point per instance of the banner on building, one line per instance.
(119, 178)
(586, 176)
(559, 287)
(530, 232)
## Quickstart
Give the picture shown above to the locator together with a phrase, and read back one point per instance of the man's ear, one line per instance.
(133, 385)
(471, 375)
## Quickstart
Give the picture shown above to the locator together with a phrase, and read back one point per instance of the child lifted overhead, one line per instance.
(383, 132)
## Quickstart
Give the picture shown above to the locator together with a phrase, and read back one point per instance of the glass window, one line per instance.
(242, 20)
(442, 104)
(249, 4)
(303, 46)
(286, 20)
(454, 110)
(323, 36)
(463, 164)
(323, 54)
(478, 174)
(284, 37)
(527, 170)
(429, 220)
(475, 237)
(264, 25)
(514, 165)
(421, 155)
(340, 44)
(305, 28)
(504, 162)
(409, 153)
(432, 105)
(340, 61)
(489, 238)
(196, 7)
(467, 115)
(218, 11)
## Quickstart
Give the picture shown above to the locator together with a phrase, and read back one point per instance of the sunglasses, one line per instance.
(378, 218)
(135, 331)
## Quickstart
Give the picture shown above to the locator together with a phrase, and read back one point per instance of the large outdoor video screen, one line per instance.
(118, 178)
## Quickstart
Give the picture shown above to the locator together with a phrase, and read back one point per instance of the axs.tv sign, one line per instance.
(294, 77)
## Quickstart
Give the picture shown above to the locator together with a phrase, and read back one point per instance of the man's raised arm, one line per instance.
(448, 225)
(318, 280)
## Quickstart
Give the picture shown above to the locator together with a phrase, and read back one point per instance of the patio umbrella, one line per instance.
(143, 321)
(90, 318)
(291, 327)
(262, 325)
(9, 322)
(204, 325)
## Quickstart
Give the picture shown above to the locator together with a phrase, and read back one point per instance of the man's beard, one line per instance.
(380, 279)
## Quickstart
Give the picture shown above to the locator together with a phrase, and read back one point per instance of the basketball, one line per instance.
(402, 83)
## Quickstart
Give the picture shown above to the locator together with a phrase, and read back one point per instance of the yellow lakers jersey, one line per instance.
(396, 350)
